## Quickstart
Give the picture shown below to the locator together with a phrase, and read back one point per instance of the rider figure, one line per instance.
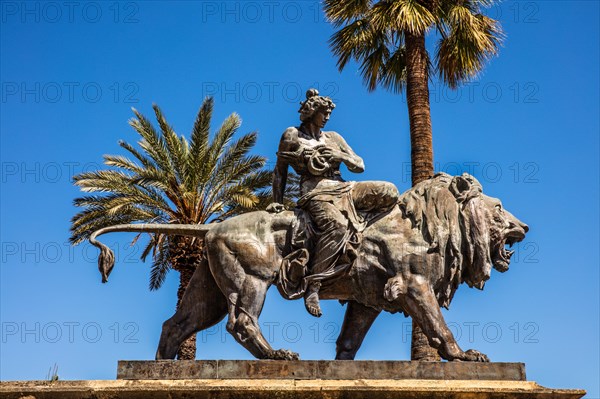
(331, 202)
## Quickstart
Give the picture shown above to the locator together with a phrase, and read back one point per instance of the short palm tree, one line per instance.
(387, 39)
(172, 180)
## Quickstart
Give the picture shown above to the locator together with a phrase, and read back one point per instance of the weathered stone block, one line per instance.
(318, 369)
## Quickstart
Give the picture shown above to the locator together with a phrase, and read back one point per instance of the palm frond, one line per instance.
(173, 144)
(216, 148)
(148, 248)
(340, 12)
(147, 162)
(403, 16)
(199, 141)
(469, 40)
(122, 162)
(103, 181)
(152, 143)
(224, 180)
(102, 209)
(160, 267)
(122, 186)
(393, 75)
(155, 178)
(92, 220)
(373, 66)
(222, 138)
(354, 41)
(234, 154)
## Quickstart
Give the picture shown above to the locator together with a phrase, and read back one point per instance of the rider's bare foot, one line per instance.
(311, 299)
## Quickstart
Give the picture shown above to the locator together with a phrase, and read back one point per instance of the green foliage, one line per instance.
(169, 179)
(372, 34)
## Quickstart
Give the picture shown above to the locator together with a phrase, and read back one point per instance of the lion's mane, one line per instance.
(439, 209)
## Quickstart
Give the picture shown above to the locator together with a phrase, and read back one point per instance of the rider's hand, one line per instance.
(275, 207)
(308, 152)
(331, 154)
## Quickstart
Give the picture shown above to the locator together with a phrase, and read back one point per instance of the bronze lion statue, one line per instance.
(412, 259)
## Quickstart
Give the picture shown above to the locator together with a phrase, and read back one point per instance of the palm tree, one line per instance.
(173, 180)
(387, 39)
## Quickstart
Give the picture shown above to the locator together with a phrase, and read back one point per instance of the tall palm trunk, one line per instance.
(185, 255)
(417, 95)
(421, 155)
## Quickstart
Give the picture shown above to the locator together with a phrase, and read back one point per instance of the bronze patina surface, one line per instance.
(359, 242)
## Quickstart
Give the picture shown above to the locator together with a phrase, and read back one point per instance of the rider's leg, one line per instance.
(332, 234)
(311, 298)
(372, 196)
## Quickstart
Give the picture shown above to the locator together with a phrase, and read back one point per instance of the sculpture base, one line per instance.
(271, 388)
(229, 379)
(317, 370)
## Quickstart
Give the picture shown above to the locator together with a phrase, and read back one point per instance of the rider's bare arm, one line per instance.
(345, 154)
(289, 140)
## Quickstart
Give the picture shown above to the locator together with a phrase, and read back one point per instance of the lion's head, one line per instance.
(468, 228)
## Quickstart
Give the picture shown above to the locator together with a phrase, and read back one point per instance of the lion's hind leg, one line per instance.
(245, 328)
(245, 288)
(203, 305)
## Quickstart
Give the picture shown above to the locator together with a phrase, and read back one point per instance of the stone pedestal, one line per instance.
(317, 370)
(298, 379)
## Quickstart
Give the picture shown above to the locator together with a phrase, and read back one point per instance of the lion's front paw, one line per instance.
(475, 356)
(284, 354)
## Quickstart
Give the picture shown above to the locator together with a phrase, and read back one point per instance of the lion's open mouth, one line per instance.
(502, 255)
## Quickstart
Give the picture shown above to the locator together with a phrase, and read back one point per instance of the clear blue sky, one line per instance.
(527, 128)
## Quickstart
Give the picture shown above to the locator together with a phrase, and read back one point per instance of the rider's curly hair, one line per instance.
(313, 103)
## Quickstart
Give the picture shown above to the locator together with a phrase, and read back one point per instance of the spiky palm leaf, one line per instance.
(469, 39)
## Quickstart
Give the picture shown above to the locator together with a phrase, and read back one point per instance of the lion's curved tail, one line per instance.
(106, 259)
